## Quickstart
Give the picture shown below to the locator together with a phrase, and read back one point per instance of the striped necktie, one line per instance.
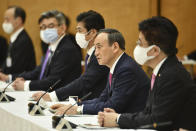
(86, 61)
(47, 58)
(110, 79)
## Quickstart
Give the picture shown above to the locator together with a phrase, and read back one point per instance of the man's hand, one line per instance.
(109, 110)
(57, 106)
(62, 108)
(100, 118)
(107, 119)
(37, 95)
(3, 77)
(19, 84)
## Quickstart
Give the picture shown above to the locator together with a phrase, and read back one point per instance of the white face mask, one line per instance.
(49, 36)
(42, 37)
(81, 41)
(8, 28)
(140, 54)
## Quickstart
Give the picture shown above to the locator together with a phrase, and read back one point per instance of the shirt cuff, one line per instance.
(26, 85)
(186, 57)
(53, 96)
(80, 109)
(9, 78)
(118, 118)
(82, 106)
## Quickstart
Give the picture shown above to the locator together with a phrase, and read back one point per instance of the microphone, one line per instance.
(34, 108)
(59, 123)
(50, 88)
(83, 98)
(7, 86)
(4, 97)
(7, 98)
(155, 125)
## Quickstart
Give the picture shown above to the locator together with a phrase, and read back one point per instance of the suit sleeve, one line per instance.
(102, 97)
(192, 55)
(60, 65)
(22, 49)
(30, 75)
(3, 50)
(167, 103)
(123, 89)
(85, 83)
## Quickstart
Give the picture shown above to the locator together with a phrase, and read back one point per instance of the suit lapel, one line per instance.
(52, 59)
(114, 74)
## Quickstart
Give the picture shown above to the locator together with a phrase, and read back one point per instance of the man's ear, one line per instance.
(155, 51)
(93, 32)
(63, 28)
(115, 47)
(18, 21)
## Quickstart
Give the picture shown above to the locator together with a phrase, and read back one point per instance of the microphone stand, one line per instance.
(4, 97)
(7, 98)
(59, 123)
(35, 108)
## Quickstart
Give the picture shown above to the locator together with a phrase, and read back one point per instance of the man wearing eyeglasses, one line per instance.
(62, 59)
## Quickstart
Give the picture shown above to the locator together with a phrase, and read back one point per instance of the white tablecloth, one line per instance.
(14, 116)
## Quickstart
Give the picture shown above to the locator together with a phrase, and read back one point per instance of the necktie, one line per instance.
(48, 55)
(152, 81)
(110, 79)
(86, 61)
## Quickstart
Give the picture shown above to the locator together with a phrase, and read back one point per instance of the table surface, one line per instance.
(14, 116)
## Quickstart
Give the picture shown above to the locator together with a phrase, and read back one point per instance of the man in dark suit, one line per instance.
(127, 82)
(3, 50)
(171, 103)
(62, 60)
(44, 46)
(95, 76)
(20, 56)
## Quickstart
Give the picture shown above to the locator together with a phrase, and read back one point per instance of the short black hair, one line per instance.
(59, 16)
(91, 20)
(114, 36)
(19, 12)
(160, 31)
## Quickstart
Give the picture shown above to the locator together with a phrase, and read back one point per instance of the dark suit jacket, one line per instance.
(65, 65)
(93, 80)
(128, 91)
(192, 55)
(171, 92)
(22, 55)
(3, 50)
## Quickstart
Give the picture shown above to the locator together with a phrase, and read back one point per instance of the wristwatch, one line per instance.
(79, 110)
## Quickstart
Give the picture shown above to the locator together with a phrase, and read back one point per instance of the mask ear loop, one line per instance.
(88, 34)
(158, 48)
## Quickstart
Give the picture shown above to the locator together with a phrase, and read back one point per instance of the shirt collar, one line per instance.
(90, 51)
(14, 36)
(53, 46)
(114, 65)
(158, 66)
